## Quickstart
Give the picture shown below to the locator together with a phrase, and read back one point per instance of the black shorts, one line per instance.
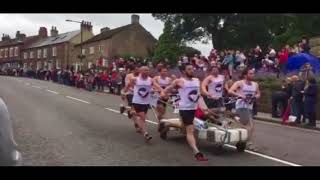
(162, 102)
(141, 107)
(129, 99)
(187, 116)
(212, 103)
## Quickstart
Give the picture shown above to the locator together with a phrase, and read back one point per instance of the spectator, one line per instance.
(305, 45)
(283, 60)
(296, 98)
(228, 62)
(281, 98)
(306, 72)
(310, 101)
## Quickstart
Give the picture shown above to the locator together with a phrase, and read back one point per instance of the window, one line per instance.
(25, 55)
(91, 50)
(1, 52)
(16, 51)
(11, 52)
(6, 52)
(39, 53)
(89, 64)
(54, 51)
(45, 53)
(25, 66)
(83, 51)
(57, 64)
(39, 65)
(31, 55)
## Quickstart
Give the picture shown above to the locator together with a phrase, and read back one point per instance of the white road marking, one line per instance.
(70, 97)
(54, 92)
(267, 157)
(231, 146)
(36, 87)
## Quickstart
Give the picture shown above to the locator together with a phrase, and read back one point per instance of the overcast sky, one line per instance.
(30, 23)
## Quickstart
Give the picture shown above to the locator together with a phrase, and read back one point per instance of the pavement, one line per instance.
(60, 125)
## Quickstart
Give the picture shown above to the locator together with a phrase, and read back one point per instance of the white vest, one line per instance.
(142, 90)
(247, 91)
(189, 94)
(163, 82)
(216, 86)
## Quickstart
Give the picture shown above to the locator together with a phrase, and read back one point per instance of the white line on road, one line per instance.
(70, 97)
(247, 151)
(36, 87)
(54, 92)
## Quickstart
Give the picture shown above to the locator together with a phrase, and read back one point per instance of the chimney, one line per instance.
(135, 19)
(86, 26)
(20, 36)
(5, 37)
(43, 32)
(54, 31)
(104, 29)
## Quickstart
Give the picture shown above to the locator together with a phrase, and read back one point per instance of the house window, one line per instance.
(1, 51)
(11, 52)
(25, 55)
(45, 53)
(83, 51)
(54, 51)
(31, 55)
(6, 52)
(39, 53)
(57, 64)
(16, 51)
(89, 64)
(39, 65)
(25, 66)
(91, 50)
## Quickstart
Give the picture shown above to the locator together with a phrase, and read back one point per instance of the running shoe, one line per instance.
(147, 137)
(122, 109)
(200, 157)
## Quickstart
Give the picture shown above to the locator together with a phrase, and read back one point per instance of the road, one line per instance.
(60, 125)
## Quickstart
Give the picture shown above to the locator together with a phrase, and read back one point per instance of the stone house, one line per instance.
(129, 40)
(55, 50)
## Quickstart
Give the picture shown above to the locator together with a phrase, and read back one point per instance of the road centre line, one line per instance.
(70, 97)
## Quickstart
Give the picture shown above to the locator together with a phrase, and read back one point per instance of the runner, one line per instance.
(163, 81)
(142, 87)
(189, 92)
(212, 88)
(247, 90)
(134, 72)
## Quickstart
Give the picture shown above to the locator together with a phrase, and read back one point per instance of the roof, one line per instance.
(108, 34)
(55, 39)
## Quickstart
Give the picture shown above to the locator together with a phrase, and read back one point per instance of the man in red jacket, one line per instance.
(283, 60)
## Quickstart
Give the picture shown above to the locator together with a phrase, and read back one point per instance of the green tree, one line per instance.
(167, 46)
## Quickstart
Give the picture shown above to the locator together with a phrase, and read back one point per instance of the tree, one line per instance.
(167, 46)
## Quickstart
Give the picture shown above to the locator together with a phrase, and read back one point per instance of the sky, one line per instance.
(30, 23)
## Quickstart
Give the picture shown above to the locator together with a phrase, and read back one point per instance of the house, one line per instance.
(10, 49)
(129, 40)
(55, 50)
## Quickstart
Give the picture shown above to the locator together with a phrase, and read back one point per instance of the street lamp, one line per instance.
(81, 55)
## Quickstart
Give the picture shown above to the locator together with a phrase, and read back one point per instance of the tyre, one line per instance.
(241, 146)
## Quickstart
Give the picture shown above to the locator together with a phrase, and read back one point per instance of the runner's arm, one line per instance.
(170, 87)
(156, 85)
(258, 93)
(204, 85)
(233, 89)
(130, 84)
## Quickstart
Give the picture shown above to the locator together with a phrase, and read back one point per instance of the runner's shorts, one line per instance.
(212, 103)
(187, 116)
(245, 115)
(162, 102)
(129, 99)
(141, 107)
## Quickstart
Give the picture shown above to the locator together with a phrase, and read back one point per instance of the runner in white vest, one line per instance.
(247, 90)
(163, 80)
(134, 72)
(142, 87)
(212, 88)
(189, 92)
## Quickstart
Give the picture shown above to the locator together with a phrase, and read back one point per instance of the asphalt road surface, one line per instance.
(60, 125)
